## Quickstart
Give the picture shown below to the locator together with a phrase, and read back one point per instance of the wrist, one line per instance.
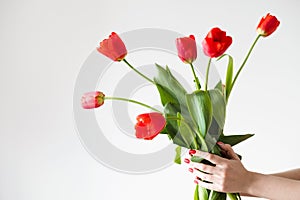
(252, 179)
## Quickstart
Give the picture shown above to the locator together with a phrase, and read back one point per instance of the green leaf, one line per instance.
(234, 196)
(200, 193)
(178, 155)
(166, 96)
(171, 128)
(170, 89)
(196, 193)
(200, 109)
(219, 86)
(234, 139)
(186, 133)
(219, 115)
(219, 107)
(196, 159)
(214, 195)
(229, 75)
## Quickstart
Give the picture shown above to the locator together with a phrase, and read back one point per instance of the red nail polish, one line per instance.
(195, 181)
(192, 151)
(187, 161)
(191, 170)
(220, 143)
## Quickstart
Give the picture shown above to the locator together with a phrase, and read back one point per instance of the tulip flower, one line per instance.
(113, 47)
(149, 125)
(186, 48)
(92, 100)
(187, 52)
(267, 25)
(216, 43)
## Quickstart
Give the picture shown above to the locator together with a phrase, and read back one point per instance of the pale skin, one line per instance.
(230, 176)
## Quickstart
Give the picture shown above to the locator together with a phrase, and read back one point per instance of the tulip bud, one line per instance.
(267, 25)
(186, 48)
(92, 100)
(113, 47)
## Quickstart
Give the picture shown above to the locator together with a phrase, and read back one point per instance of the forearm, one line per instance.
(273, 187)
(292, 174)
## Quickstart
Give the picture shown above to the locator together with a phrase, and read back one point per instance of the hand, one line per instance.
(228, 175)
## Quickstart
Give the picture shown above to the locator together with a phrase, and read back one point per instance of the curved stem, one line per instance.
(145, 77)
(198, 86)
(132, 101)
(207, 73)
(243, 64)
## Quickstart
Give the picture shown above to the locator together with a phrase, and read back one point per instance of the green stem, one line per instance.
(132, 101)
(233, 196)
(243, 64)
(207, 73)
(148, 79)
(198, 86)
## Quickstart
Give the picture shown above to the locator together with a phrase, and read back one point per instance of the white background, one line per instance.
(43, 45)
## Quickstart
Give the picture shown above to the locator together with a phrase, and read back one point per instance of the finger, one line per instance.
(204, 176)
(227, 149)
(210, 157)
(206, 168)
(209, 186)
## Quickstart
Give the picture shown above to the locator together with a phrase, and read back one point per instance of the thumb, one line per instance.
(228, 151)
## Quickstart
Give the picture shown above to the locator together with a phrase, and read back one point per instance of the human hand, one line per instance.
(228, 175)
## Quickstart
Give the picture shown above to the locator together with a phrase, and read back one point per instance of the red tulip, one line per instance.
(267, 25)
(92, 100)
(186, 48)
(113, 47)
(149, 125)
(216, 42)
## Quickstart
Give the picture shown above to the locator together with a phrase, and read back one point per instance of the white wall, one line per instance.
(44, 44)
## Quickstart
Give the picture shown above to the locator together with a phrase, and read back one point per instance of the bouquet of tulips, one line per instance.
(191, 120)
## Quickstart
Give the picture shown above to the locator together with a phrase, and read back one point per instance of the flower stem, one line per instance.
(198, 86)
(243, 64)
(207, 73)
(134, 69)
(132, 101)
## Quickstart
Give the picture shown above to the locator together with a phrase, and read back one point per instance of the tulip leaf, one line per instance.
(229, 75)
(219, 107)
(233, 196)
(173, 91)
(219, 86)
(200, 193)
(171, 128)
(234, 139)
(196, 193)
(218, 120)
(200, 108)
(186, 133)
(166, 96)
(214, 195)
(178, 155)
(196, 159)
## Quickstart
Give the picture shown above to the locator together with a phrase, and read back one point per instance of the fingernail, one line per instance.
(220, 143)
(187, 161)
(191, 170)
(195, 181)
(192, 151)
